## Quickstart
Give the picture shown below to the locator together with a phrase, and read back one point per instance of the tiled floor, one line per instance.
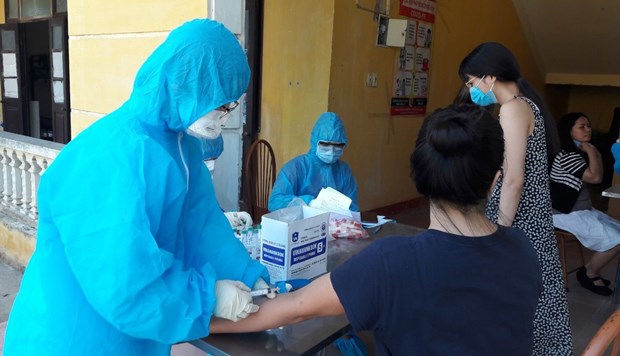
(587, 310)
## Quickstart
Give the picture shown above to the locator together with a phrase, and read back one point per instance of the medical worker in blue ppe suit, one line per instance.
(305, 175)
(133, 252)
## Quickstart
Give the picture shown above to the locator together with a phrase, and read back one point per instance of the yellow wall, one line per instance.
(16, 243)
(108, 41)
(597, 103)
(297, 45)
(379, 145)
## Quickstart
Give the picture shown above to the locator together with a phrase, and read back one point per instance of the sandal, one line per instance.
(606, 282)
(588, 283)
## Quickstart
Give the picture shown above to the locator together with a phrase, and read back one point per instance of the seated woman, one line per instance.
(466, 286)
(576, 165)
(304, 176)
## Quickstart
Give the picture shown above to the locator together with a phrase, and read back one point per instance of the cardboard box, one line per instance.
(297, 248)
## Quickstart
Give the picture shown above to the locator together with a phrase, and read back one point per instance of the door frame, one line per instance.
(251, 129)
(61, 112)
(15, 109)
(22, 127)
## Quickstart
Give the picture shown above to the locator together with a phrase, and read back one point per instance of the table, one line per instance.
(612, 192)
(307, 337)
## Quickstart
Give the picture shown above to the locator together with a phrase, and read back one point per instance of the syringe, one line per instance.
(259, 292)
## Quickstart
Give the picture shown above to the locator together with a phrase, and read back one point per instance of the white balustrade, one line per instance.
(22, 162)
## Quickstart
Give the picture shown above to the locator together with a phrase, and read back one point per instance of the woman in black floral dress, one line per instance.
(521, 196)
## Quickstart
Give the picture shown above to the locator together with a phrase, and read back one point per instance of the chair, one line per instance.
(608, 332)
(260, 174)
(563, 237)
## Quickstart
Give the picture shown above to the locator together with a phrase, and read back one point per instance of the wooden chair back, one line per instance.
(260, 174)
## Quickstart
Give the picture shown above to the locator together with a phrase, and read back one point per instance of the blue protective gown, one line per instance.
(305, 175)
(615, 150)
(131, 239)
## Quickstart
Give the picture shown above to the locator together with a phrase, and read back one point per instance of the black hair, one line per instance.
(457, 155)
(462, 97)
(565, 125)
(492, 58)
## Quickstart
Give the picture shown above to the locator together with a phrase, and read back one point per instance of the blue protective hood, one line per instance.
(212, 149)
(199, 68)
(328, 127)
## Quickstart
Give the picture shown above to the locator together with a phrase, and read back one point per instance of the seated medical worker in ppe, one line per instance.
(305, 175)
(211, 150)
(133, 252)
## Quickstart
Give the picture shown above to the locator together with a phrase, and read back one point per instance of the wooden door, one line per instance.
(13, 98)
(61, 126)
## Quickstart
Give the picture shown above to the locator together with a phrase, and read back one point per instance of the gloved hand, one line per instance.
(239, 220)
(233, 300)
(261, 284)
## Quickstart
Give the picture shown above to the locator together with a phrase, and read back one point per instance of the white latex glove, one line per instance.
(239, 220)
(261, 284)
(233, 300)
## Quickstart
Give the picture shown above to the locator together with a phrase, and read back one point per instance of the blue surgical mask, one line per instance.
(577, 143)
(328, 154)
(480, 98)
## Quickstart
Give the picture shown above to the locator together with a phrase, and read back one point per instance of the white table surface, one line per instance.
(612, 192)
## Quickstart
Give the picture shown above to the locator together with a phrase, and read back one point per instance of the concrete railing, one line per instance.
(22, 162)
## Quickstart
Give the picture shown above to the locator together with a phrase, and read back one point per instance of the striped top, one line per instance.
(566, 173)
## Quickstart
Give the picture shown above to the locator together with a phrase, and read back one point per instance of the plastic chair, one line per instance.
(563, 237)
(260, 174)
(607, 334)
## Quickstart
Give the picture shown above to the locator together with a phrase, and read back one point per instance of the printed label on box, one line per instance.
(306, 252)
(273, 255)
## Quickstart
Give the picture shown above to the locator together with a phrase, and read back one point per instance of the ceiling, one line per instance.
(574, 41)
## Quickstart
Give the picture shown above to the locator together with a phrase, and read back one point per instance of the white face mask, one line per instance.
(210, 125)
(328, 154)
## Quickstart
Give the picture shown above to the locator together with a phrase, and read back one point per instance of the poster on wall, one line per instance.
(422, 10)
(413, 61)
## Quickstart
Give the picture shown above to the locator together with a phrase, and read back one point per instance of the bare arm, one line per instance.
(594, 173)
(517, 121)
(317, 299)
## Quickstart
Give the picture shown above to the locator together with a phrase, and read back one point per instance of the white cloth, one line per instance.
(594, 229)
(233, 300)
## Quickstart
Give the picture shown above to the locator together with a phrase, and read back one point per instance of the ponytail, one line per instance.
(551, 131)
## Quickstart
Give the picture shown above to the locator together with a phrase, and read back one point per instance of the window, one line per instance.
(12, 9)
(31, 9)
(36, 8)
